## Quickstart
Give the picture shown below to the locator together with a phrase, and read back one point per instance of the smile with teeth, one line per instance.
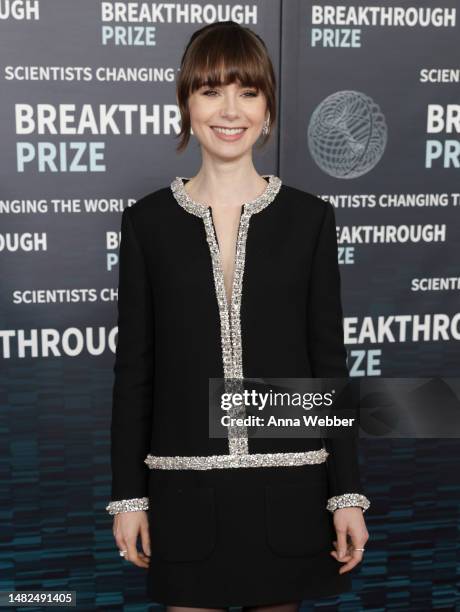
(228, 131)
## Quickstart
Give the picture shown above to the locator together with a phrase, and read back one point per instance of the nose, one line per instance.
(230, 105)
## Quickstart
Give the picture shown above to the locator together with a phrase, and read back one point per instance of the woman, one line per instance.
(228, 522)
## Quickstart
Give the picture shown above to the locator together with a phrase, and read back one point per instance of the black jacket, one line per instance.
(172, 328)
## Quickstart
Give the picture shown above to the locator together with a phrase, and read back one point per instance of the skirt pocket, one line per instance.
(182, 523)
(297, 523)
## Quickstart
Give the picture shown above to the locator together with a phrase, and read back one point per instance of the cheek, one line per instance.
(199, 115)
(197, 110)
(257, 113)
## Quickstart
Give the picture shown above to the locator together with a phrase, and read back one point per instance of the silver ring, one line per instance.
(359, 549)
(123, 553)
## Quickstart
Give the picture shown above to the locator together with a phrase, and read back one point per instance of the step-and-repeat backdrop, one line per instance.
(369, 120)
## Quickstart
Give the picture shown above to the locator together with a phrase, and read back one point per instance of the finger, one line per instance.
(348, 551)
(134, 556)
(120, 541)
(344, 559)
(357, 557)
(122, 546)
(145, 538)
(144, 558)
(342, 543)
(354, 556)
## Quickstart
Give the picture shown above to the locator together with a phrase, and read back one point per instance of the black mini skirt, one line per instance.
(241, 537)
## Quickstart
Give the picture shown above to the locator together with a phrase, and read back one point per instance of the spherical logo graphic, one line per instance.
(347, 134)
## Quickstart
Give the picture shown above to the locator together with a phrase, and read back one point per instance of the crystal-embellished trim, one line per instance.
(209, 462)
(347, 500)
(200, 210)
(230, 328)
(128, 505)
(229, 314)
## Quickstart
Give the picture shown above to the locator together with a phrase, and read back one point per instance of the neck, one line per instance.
(225, 186)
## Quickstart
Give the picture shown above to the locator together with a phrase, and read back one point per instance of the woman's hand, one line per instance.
(126, 527)
(349, 522)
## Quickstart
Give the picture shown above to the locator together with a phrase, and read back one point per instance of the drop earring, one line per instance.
(266, 128)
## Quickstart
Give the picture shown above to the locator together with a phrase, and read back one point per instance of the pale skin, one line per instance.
(227, 178)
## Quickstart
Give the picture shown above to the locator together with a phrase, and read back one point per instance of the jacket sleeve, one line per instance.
(132, 394)
(328, 359)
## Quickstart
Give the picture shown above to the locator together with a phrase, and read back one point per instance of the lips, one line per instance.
(222, 127)
(228, 137)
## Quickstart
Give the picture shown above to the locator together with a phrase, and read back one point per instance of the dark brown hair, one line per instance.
(219, 54)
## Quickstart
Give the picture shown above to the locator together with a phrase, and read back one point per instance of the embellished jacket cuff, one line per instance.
(348, 500)
(128, 505)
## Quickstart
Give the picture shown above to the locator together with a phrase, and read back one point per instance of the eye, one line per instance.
(212, 92)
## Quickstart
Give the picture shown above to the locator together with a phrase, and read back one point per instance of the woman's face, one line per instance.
(240, 109)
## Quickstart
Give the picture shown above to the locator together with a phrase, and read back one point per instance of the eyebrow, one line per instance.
(223, 85)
